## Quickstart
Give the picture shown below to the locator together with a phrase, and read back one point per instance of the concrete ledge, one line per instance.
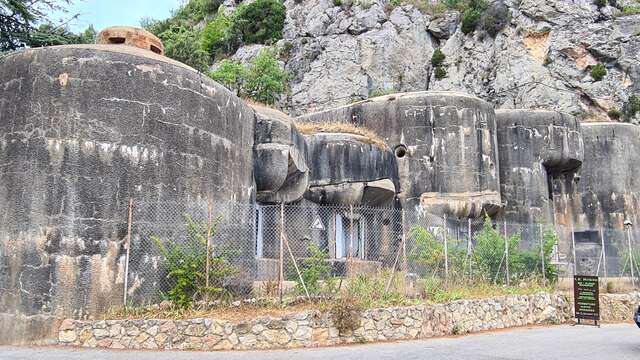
(316, 328)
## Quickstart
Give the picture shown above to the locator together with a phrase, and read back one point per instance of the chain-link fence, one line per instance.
(216, 250)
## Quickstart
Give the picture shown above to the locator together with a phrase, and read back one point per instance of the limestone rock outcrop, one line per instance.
(340, 53)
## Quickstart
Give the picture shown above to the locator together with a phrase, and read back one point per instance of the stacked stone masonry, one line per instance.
(316, 328)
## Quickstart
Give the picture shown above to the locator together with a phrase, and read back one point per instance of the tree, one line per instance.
(266, 79)
(183, 45)
(259, 22)
(231, 75)
(262, 80)
(26, 23)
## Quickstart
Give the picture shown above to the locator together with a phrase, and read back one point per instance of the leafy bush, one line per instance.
(186, 264)
(428, 252)
(495, 18)
(490, 249)
(470, 20)
(216, 38)
(230, 74)
(266, 80)
(631, 108)
(598, 72)
(197, 10)
(630, 10)
(315, 271)
(440, 72)
(438, 57)
(614, 114)
(600, 3)
(183, 45)
(259, 22)
(262, 80)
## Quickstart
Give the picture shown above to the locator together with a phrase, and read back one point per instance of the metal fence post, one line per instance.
(208, 262)
(446, 251)
(404, 245)
(631, 259)
(469, 247)
(350, 231)
(542, 265)
(604, 254)
(506, 254)
(281, 260)
(128, 246)
(573, 249)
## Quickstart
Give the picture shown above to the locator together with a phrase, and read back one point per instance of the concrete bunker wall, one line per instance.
(535, 148)
(83, 129)
(444, 143)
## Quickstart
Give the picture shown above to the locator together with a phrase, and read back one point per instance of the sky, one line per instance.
(105, 13)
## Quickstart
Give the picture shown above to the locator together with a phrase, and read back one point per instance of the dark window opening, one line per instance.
(117, 40)
(586, 237)
(155, 49)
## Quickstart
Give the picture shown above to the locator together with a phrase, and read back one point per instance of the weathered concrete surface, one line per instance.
(280, 166)
(346, 170)
(535, 148)
(83, 129)
(130, 36)
(445, 143)
(606, 192)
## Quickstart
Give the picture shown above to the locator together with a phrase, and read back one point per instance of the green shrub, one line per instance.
(337, 2)
(216, 37)
(495, 18)
(185, 261)
(230, 74)
(266, 80)
(197, 10)
(440, 72)
(183, 45)
(315, 272)
(630, 10)
(614, 114)
(470, 20)
(598, 72)
(259, 22)
(438, 57)
(262, 80)
(631, 108)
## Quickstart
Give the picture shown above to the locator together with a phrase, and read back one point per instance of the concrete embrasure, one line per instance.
(316, 328)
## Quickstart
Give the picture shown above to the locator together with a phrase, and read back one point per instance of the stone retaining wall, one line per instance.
(316, 328)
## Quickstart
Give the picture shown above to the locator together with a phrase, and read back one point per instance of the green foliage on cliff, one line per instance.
(259, 22)
(598, 72)
(631, 107)
(262, 80)
(438, 57)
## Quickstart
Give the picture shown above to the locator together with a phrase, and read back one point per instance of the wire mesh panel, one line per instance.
(249, 250)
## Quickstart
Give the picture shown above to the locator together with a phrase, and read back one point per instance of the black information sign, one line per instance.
(587, 298)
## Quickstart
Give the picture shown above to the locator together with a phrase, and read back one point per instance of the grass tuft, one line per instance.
(312, 128)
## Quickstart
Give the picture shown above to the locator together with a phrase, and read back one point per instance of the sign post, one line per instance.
(586, 298)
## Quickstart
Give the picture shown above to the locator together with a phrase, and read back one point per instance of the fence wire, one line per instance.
(245, 250)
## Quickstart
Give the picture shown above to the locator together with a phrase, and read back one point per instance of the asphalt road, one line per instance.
(561, 342)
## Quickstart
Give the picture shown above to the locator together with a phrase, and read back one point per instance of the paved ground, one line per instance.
(562, 342)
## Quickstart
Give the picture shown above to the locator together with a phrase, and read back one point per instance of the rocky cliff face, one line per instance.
(337, 54)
